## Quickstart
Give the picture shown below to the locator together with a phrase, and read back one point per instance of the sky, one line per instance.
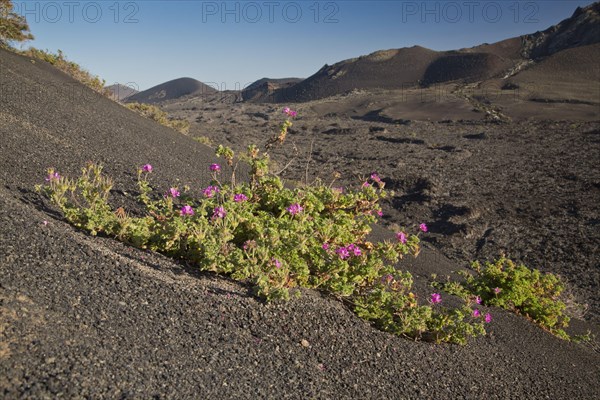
(230, 44)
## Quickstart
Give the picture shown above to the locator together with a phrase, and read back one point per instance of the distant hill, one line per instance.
(417, 66)
(262, 88)
(121, 92)
(581, 29)
(171, 90)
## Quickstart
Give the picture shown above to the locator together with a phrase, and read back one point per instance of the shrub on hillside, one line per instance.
(274, 238)
(156, 114)
(69, 67)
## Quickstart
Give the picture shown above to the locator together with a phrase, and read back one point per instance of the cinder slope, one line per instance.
(89, 317)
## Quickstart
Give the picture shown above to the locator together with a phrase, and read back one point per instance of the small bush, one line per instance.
(69, 67)
(156, 114)
(205, 140)
(518, 288)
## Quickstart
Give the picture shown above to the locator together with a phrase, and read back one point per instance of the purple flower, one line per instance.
(476, 313)
(240, 197)
(497, 290)
(488, 318)
(186, 211)
(215, 167)
(174, 192)
(276, 262)
(401, 236)
(325, 246)
(210, 191)
(387, 279)
(343, 253)
(375, 177)
(53, 176)
(147, 168)
(289, 112)
(295, 209)
(436, 298)
(219, 212)
(423, 227)
(354, 249)
(249, 244)
(478, 299)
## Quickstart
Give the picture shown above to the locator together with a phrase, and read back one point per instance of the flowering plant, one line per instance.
(272, 237)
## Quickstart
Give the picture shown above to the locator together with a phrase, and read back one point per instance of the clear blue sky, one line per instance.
(231, 44)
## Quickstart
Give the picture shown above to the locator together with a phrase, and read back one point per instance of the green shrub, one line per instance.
(205, 140)
(156, 114)
(69, 67)
(518, 288)
(274, 238)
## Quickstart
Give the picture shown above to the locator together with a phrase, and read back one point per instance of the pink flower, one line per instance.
(210, 191)
(488, 318)
(387, 279)
(380, 213)
(478, 299)
(147, 168)
(354, 249)
(343, 253)
(215, 167)
(366, 185)
(54, 176)
(174, 192)
(401, 236)
(249, 244)
(375, 177)
(276, 262)
(219, 212)
(436, 298)
(186, 211)
(325, 246)
(476, 313)
(240, 197)
(289, 112)
(338, 190)
(497, 290)
(45, 222)
(423, 227)
(295, 209)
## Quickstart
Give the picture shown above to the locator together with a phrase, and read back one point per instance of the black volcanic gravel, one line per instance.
(88, 317)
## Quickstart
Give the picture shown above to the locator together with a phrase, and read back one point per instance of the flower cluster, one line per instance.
(211, 191)
(346, 252)
(289, 112)
(219, 212)
(53, 176)
(240, 197)
(174, 193)
(186, 211)
(295, 209)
